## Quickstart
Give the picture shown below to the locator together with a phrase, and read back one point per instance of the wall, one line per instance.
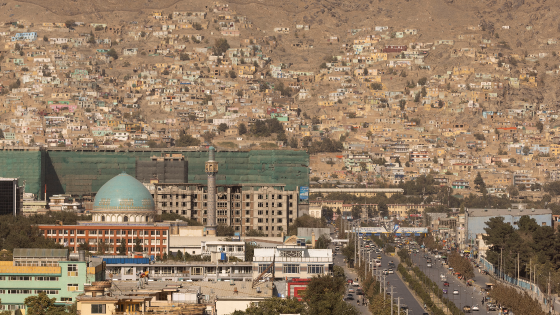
(84, 172)
(318, 232)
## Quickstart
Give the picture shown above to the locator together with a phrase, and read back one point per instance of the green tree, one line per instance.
(422, 81)
(220, 46)
(122, 247)
(101, 248)
(324, 296)
(241, 129)
(41, 305)
(526, 150)
(249, 250)
(540, 126)
(113, 53)
(479, 183)
(70, 23)
(179, 255)
(222, 127)
(224, 230)
(186, 141)
(138, 245)
(293, 143)
(383, 209)
(322, 242)
(275, 306)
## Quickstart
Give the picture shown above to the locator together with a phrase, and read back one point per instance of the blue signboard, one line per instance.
(304, 193)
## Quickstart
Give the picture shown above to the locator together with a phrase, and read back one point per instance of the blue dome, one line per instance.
(123, 193)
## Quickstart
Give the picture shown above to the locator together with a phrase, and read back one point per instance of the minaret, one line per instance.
(211, 170)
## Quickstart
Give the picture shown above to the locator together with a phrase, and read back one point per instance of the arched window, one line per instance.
(125, 218)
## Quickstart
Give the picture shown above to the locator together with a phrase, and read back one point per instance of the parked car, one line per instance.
(466, 309)
(475, 308)
(350, 290)
(350, 297)
(491, 307)
(445, 284)
(349, 281)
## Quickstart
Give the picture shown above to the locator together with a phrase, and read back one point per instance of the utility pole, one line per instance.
(355, 245)
(518, 268)
(501, 264)
(359, 246)
(391, 300)
(398, 305)
(384, 287)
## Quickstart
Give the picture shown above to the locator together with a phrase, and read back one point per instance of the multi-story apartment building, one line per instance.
(52, 271)
(291, 261)
(268, 208)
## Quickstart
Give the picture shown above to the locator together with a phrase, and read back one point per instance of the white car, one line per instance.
(455, 292)
(429, 265)
(390, 271)
(475, 308)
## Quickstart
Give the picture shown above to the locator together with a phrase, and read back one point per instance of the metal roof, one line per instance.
(40, 252)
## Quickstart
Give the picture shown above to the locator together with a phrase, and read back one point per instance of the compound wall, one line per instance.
(84, 172)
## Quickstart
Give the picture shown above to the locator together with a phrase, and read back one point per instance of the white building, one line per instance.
(292, 261)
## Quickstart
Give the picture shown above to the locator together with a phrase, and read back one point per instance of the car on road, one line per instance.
(350, 290)
(359, 291)
(455, 292)
(429, 265)
(350, 297)
(355, 283)
(379, 257)
(444, 291)
(390, 271)
(466, 309)
(475, 308)
(445, 284)
(349, 281)
(491, 307)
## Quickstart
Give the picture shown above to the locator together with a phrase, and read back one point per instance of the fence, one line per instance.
(523, 284)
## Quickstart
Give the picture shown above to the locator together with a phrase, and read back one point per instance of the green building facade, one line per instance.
(85, 171)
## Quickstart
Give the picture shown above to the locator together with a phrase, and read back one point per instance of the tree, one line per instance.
(113, 53)
(220, 46)
(435, 160)
(383, 209)
(479, 136)
(208, 136)
(422, 81)
(138, 245)
(275, 306)
(179, 256)
(184, 57)
(186, 141)
(526, 150)
(539, 126)
(479, 183)
(122, 247)
(356, 212)
(224, 230)
(101, 248)
(324, 296)
(232, 74)
(70, 23)
(249, 250)
(322, 242)
(41, 305)
(222, 127)
(84, 246)
(293, 143)
(241, 129)
(369, 134)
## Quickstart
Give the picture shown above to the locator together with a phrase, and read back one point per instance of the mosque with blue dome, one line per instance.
(123, 199)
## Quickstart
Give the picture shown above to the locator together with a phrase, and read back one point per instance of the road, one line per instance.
(467, 295)
(399, 288)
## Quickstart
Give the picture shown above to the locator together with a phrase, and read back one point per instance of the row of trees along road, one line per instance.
(535, 247)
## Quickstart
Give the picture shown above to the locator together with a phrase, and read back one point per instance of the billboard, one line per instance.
(304, 192)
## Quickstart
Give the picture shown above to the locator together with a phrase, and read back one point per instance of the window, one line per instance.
(260, 212)
(260, 196)
(19, 278)
(66, 299)
(19, 291)
(72, 287)
(260, 205)
(318, 269)
(262, 267)
(72, 270)
(260, 220)
(291, 268)
(98, 308)
(52, 292)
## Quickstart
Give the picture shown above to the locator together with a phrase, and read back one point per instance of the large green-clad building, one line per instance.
(64, 171)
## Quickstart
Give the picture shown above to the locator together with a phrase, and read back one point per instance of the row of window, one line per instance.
(295, 268)
(107, 232)
(236, 196)
(27, 278)
(224, 204)
(26, 291)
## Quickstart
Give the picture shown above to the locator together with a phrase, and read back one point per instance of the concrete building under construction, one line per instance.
(167, 168)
